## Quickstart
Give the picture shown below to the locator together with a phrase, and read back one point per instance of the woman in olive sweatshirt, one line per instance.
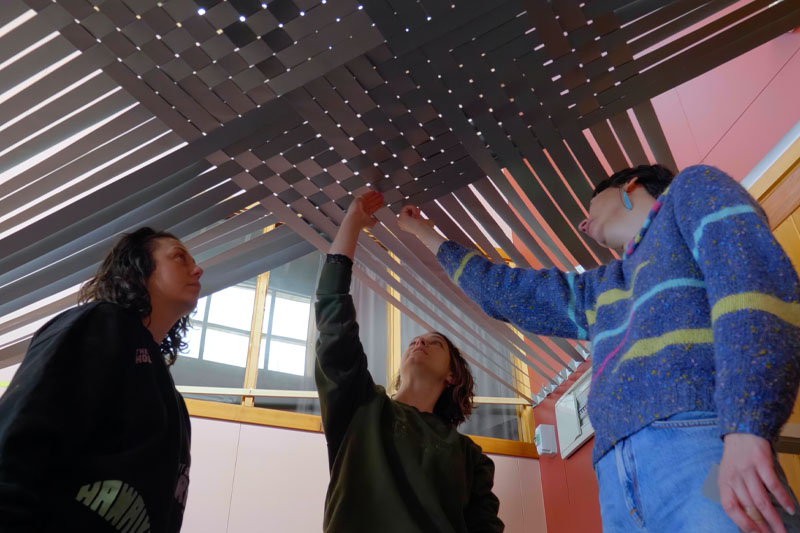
(397, 464)
(93, 435)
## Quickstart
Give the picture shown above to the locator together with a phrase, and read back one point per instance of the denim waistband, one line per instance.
(692, 415)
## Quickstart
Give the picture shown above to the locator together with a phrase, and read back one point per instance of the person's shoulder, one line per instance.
(701, 179)
(470, 445)
(94, 315)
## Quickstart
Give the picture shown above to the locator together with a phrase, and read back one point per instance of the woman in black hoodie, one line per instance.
(94, 437)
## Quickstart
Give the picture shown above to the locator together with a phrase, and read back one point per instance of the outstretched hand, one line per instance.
(410, 220)
(361, 210)
(746, 479)
(359, 216)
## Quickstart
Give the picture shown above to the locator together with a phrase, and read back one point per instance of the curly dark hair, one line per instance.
(455, 403)
(122, 279)
(654, 178)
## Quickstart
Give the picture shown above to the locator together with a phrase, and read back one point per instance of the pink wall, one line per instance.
(570, 499)
(251, 478)
(732, 116)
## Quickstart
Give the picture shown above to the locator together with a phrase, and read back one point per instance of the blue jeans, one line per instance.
(652, 481)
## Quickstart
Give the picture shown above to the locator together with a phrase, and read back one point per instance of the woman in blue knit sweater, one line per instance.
(695, 338)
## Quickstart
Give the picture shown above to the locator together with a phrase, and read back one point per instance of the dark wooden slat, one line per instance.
(627, 136)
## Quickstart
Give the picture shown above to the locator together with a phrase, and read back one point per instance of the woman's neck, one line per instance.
(159, 323)
(420, 393)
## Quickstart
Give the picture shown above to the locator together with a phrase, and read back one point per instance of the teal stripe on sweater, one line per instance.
(666, 285)
(571, 306)
(715, 217)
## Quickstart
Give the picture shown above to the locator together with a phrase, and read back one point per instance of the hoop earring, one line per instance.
(626, 200)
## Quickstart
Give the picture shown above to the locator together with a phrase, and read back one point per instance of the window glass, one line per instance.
(232, 307)
(225, 347)
(287, 357)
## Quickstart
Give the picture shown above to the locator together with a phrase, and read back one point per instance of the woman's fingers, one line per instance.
(735, 503)
(370, 202)
(766, 471)
(761, 503)
(411, 210)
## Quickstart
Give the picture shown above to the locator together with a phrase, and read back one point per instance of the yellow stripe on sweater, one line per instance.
(653, 345)
(757, 301)
(461, 265)
(613, 295)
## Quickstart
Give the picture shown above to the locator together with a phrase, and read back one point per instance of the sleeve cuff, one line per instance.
(450, 255)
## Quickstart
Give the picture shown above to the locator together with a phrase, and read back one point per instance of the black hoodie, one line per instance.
(93, 435)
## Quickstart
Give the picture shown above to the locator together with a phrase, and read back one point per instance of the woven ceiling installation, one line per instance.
(215, 120)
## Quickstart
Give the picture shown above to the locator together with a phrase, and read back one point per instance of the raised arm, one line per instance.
(545, 302)
(343, 380)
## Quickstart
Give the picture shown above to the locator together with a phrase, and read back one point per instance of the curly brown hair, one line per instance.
(122, 279)
(455, 403)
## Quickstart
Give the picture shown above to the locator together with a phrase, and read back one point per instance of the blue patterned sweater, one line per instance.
(701, 313)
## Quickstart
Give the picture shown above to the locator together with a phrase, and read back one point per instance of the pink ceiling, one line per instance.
(732, 116)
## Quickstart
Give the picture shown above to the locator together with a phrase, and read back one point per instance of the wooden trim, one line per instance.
(282, 419)
(312, 394)
(783, 199)
(254, 415)
(525, 422)
(777, 172)
(394, 338)
(505, 447)
(239, 391)
(500, 400)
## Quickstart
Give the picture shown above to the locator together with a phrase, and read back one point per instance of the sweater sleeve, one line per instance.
(54, 395)
(343, 381)
(544, 302)
(481, 512)
(753, 295)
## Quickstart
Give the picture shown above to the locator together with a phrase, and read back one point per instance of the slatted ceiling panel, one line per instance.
(28, 180)
(626, 134)
(695, 58)
(648, 120)
(253, 220)
(407, 275)
(479, 212)
(411, 280)
(429, 307)
(67, 193)
(487, 124)
(455, 210)
(559, 343)
(82, 253)
(302, 105)
(437, 279)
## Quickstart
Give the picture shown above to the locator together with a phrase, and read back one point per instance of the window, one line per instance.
(285, 334)
(221, 326)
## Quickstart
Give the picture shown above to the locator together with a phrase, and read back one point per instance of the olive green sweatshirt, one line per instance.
(393, 468)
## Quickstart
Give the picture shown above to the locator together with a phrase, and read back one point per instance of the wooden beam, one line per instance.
(784, 198)
(256, 327)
